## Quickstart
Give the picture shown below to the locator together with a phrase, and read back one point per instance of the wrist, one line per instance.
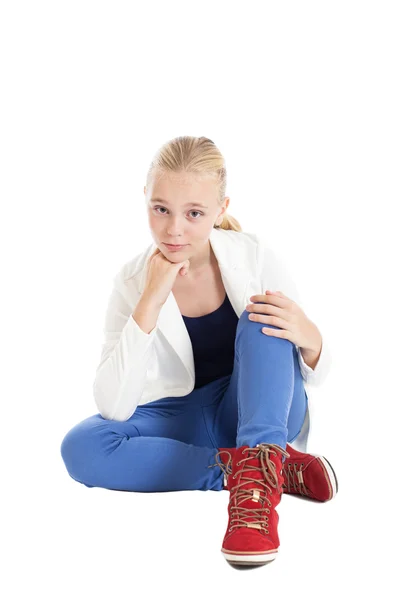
(149, 299)
(311, 356)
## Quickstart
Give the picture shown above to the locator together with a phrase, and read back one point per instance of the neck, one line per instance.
(200, 265)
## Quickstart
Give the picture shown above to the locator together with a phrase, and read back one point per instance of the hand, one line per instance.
(161, 276)
(278, 310)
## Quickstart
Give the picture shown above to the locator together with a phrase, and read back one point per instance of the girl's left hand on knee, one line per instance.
(282, 312)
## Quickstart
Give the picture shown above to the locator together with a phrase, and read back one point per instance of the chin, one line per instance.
(171, 256)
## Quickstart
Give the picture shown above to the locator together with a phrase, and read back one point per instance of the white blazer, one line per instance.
(136, 367)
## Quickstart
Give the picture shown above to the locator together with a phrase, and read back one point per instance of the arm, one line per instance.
(121, 374)
(274, 275)
(146, 313)
(315, 368)
(311, 358)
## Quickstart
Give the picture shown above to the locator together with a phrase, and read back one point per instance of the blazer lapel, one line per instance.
(236, 277)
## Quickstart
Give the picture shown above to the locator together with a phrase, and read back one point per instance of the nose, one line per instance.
(174, 229)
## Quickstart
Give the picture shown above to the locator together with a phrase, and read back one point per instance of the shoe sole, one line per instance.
(250, 558)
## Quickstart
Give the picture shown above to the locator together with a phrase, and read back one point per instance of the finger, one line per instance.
(276, 321)
(268, 309)
(269, 299)
(280, 333)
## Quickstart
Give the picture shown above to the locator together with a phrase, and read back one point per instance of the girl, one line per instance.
(202, 362)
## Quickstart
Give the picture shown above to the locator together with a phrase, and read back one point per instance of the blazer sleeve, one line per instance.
(275, 276)
(121, 374)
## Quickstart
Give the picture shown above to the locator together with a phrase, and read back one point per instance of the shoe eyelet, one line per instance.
(230, 528)
(243, 451)
(238, 464)
(302, 464)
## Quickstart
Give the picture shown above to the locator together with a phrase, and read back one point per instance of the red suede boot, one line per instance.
(309, 475)
(255, 486)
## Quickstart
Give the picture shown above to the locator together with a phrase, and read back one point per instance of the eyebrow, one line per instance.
(187, 204)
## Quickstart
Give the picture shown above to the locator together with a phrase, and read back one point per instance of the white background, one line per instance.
(302, 98)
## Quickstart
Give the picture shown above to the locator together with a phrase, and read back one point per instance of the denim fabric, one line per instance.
(168, 444)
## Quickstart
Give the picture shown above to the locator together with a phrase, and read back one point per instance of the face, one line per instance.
(183, 209)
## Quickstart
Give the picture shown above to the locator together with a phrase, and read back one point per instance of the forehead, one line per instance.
(184, 189)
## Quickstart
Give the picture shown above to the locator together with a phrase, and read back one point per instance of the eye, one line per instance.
(192, 211)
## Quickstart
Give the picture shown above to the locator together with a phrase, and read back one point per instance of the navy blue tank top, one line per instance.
(213, 341)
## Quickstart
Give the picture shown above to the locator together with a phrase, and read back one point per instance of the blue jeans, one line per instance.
(168, 444)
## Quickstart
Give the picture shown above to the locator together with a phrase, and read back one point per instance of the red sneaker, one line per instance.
(309, 475)
(255, 486)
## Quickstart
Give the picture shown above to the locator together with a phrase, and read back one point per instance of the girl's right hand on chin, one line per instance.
(161, 275)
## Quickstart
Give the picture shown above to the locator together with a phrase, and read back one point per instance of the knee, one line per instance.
(80, 441)
(91, 439)
(244, 319)
(71, 445)
(255, 327)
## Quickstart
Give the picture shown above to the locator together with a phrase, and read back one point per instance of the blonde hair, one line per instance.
(198, 156)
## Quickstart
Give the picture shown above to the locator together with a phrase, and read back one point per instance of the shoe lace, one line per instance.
(293, 479)
(239, 495)
(222, 465)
